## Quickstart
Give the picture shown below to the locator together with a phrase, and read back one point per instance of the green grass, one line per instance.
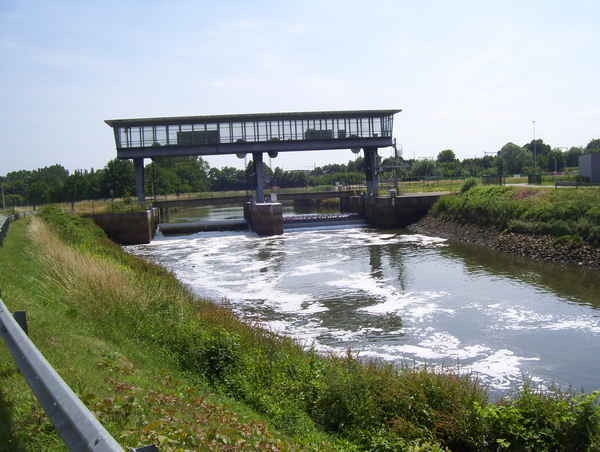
(156, 364)
(560, 213)
(131, 384)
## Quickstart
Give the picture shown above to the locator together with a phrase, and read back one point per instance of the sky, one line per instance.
(468, 75)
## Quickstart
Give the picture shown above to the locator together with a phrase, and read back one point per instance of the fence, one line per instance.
(77, 426)
(487, 179)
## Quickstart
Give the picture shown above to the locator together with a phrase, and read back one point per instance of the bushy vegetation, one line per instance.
(571, 214)
(469, 183)
(360, 405)
(192, 174)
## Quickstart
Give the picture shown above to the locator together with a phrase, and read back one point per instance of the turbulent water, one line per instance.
(405, 297)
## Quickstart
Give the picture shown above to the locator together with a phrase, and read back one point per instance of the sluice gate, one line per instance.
(322, 220)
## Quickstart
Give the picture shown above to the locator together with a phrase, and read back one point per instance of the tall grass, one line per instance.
(369, 405)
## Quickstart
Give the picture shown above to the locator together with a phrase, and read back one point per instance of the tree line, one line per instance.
(176, 175)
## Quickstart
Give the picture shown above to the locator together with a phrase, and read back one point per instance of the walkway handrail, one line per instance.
(77, 426)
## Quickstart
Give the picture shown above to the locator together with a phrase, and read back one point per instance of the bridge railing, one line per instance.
(76, 425)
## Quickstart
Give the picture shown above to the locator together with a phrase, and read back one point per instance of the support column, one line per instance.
(371, 171)
(257, 161)
(138, 165)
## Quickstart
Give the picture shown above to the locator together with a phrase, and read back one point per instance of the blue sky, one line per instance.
(469, 75)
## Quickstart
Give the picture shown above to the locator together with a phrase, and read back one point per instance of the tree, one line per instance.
(193, 174)
(446, 156)
(227, 178)
(514, 158)
(54, 175)
(76, 186)
(556, 160)
(356, 166)
(572, 156)
(39, 193)
(119, 176)
(289, 179)
(540, 147)
(425, 167)
(593, 147)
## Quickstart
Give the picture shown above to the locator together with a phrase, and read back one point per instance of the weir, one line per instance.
(382, 212)
(324, 220)
(267, 218)
(255, 134)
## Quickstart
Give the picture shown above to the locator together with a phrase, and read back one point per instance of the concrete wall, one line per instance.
(589, 166)
(266, 218)
(390, 213)
(129, 228)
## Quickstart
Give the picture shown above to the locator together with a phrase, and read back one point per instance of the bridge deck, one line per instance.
(239, 134)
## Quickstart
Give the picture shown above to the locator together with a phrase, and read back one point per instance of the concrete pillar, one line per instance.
(257, 161)
(371, 171)
(139, 179)
(267, 218)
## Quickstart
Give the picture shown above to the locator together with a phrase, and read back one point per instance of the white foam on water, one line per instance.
(501, 369)
(519, 318)
(413, 306)
(287, 282)
(579, 323)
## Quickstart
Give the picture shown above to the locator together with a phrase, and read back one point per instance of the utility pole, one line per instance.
(3, 204)
(534, 153)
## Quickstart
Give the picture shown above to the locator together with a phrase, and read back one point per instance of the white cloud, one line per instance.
(467, 74)
(589, 113)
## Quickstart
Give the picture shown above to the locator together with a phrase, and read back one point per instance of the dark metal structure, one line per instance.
(369, 130)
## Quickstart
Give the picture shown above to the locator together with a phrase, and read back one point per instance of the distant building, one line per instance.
(589, 166)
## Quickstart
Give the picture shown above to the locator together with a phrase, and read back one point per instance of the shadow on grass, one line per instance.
(9, 441)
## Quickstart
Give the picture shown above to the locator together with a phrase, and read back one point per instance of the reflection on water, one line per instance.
(572, 282)
(402, 296)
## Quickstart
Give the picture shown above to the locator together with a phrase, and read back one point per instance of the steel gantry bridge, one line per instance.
(254, 134)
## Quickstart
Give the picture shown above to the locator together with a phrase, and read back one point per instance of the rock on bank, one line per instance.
(530, 246)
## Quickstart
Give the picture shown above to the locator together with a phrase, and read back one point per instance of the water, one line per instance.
(401, 296)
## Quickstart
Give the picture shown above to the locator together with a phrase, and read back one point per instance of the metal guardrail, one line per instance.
(4, 228)
(5, 222)
(77, 426)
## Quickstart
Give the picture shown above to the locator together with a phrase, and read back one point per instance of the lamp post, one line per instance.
(534, 153)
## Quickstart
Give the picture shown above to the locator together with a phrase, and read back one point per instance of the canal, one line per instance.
(401, 297)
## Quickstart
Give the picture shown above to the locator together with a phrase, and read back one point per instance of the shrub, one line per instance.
(469, 183)
(536, 420)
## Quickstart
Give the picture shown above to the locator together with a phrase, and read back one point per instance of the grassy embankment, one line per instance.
(156, 364)
(569, 215)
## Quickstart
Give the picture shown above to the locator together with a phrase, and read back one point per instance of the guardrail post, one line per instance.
(79, 429)
(21, 319)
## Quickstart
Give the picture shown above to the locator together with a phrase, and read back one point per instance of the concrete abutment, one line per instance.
(390, 212)
(128, 228)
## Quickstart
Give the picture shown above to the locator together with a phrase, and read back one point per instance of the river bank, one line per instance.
(539, 247)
